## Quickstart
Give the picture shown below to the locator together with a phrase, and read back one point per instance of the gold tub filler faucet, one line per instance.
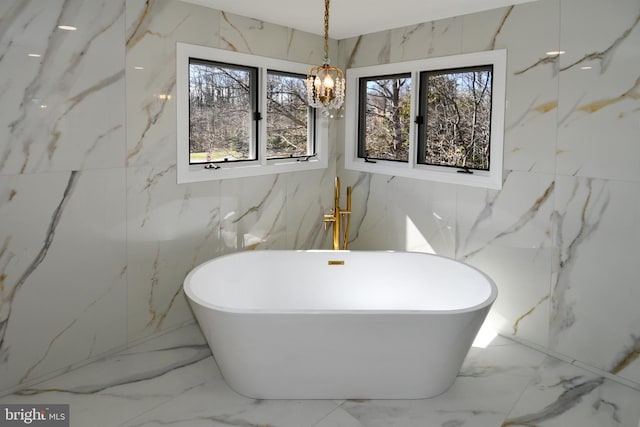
(340, 218)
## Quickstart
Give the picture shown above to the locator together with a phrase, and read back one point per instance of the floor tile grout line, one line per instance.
(526, 387)
(127, 422)
(328, 414)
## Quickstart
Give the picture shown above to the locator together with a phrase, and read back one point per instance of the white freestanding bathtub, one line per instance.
(339, 324)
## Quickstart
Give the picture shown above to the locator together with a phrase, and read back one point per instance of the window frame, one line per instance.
(254, 128)
(312, 136)
(413, 169)
(188, 173)
(423, 112)
(362, 119)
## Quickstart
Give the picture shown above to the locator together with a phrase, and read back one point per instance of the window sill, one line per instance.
(491, 180)
(198, 173)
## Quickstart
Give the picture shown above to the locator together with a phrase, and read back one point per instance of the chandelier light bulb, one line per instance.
(327, 81)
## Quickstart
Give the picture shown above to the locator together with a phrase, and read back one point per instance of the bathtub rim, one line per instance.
(193, 298)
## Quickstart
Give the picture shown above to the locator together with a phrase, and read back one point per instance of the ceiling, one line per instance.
(350, 18)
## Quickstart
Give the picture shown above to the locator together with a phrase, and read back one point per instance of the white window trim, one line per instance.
(489, 179)
(187, 173)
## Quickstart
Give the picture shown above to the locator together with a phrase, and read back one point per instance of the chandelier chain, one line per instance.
(326, 30)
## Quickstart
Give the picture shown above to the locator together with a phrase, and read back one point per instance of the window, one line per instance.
(384, 120)
(455, 114)
(437, 119)
(243, 115)
(222, 102)
(290, 130)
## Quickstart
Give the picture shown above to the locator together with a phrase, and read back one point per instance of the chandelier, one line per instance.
(325, 84)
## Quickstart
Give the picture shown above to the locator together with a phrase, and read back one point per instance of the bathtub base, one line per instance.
(375, 356)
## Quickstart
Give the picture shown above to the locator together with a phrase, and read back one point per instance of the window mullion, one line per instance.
(262, 110)
(413, 129)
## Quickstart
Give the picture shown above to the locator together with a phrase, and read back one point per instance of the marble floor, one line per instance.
(173, 380)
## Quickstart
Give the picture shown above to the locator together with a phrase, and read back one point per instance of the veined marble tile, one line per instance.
(365, 50)
(596, 291)
(253, 213)
(487, 386)
(116, 388)
(507, 234)
(486, 30)
(305, 209)
(599, 90)
(171, 229)
(66, 109)
(425, 40)
(248, 35)
(422, 216)
(153, 28)
(62, 270)
(564, 395)
(532, 78)
(160, 23)
(214, 403)
(369, 217)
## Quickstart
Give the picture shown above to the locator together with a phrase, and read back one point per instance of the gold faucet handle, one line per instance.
(328, 218)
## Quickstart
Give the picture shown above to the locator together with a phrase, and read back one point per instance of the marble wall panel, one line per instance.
(507, 235)
(370, 220)
(595, 316)
(248, 35)
(599, 90)
(431, 39)
(153, 28)
(63, 288)
(253, 213)
(424, 214)
(170, 229)
(61, 114)
(426, 40)
(365, 50)
(305, 208)
(394, 213)
(62, 145)
(532, 78)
